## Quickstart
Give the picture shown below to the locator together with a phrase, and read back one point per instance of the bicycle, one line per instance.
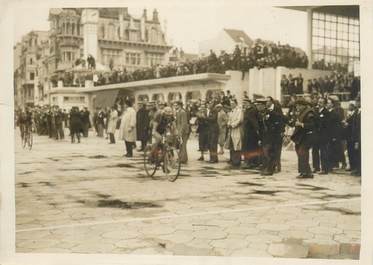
(165, 156)
(27, 139)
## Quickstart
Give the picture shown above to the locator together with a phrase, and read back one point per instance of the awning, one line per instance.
(106, 98)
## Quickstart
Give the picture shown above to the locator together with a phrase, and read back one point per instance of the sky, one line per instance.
(187, 25)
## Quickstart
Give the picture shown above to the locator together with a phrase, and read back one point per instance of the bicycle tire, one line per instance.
(149, 166)
(24, 140)
(177, 166)
(30, 141)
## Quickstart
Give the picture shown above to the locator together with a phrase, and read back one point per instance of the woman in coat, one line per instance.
(127, 130)
(202, 131)
(112, 124)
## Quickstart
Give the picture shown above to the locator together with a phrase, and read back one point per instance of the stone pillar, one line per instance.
(309, 38)
(184, 97)
(121, 25)
(36, 91)
(90, 22)
(203, 93)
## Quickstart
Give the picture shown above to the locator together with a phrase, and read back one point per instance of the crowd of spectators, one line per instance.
(322, 65)
(335, 83)
(261, 55)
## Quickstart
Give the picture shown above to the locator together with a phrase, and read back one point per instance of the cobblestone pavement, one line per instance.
(87, 198)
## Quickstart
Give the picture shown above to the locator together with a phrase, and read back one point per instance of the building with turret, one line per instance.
(112, 36)
(27, 55)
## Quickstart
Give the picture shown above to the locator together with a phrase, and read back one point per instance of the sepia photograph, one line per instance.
(204, 130)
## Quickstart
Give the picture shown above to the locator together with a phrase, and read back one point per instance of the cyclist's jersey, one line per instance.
(28, 119)
(163, 123)
(25, 119)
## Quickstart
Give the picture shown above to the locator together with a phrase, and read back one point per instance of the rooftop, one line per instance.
(239, 36)
(340, 10)
(161, 82)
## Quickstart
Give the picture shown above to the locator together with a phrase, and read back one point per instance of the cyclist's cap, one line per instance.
(167, 110)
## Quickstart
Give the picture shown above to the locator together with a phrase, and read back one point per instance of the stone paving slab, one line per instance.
(87, 198)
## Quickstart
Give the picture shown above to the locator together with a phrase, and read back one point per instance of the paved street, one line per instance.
(87, 198)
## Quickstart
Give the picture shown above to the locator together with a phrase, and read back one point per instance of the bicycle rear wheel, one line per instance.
(24, 140)
(171, 164)
(30, 141)
(150, 162)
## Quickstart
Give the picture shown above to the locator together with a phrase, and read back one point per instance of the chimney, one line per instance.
(144, 14)
(125, 12)
(121, 24)
(155, 16)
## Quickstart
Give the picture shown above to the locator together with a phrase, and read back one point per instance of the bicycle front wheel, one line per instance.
(150, 163)
(171, 164)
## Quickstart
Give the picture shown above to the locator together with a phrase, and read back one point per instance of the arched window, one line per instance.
(153, 35)
(102, 33)
(68, 30)
(111, 31)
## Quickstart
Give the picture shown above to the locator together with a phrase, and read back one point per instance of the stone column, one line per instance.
(90, 22)
(183, 97)
(309, 38)
(203, 93)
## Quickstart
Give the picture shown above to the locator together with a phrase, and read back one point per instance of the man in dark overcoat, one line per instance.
(250, 146)
(213, 132)
(142, 125)
(75, 124)
(272, 130)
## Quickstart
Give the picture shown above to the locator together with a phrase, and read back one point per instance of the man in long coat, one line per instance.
(183, 130)
(127, 130)
(202, 130)
(235, 133)
(75, 124)
(304, 137)
(356, 139)
(222, 123)
(213, 132)
(272, 130)
(250, 139)
(142, 125)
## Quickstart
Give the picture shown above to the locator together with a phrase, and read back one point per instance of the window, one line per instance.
(31, 61)
(32, 75)
(133, 58)
(335, 38)
(74, 99)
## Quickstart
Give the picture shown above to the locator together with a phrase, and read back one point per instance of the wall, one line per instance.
(306, 73)
(237, 84)
(182, 89)
(267, 81)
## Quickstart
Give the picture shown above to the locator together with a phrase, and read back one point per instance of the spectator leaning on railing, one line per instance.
(261, 55)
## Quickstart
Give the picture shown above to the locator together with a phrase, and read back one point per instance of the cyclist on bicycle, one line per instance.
(25, 121)
(164, 125)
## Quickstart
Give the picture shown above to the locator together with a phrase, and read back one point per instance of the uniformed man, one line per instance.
(183, 130)
(250, 146)
(356, 139)
(213, 132)
(303, 136)
(272, 130)
(320, 149)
